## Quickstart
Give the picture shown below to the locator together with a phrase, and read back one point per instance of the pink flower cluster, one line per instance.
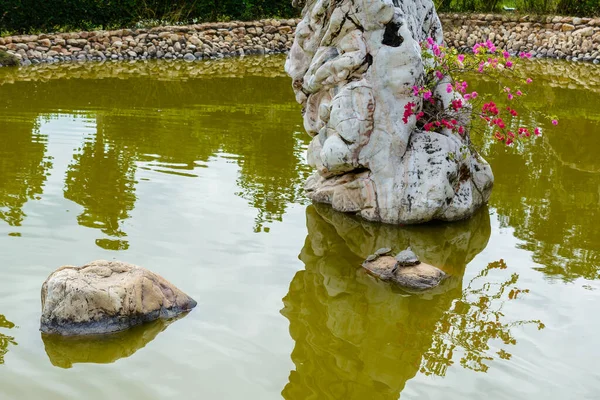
(432, 116)
(434, 47)
(460, 87)
(482, 48)
(448, 124)
(409, 111)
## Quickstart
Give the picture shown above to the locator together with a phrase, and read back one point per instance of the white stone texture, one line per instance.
(353, 64)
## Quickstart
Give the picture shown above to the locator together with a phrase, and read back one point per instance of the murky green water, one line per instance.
(195, 171)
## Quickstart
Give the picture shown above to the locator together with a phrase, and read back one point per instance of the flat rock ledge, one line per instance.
(107, 296)
(412, 278)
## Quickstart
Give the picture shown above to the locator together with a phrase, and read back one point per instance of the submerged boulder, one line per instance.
(107, 296)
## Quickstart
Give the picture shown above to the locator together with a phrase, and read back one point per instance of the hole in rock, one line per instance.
(391, 37)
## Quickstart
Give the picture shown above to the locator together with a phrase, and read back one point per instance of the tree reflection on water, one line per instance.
(357, 337)
(24, 167)
(5, 340)
(473, 321)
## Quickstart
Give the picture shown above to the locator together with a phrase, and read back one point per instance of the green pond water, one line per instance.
(195, 171)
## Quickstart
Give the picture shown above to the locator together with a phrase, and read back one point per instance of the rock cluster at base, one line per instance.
(107, 296)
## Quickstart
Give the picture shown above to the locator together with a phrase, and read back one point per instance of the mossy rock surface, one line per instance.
(8, 60)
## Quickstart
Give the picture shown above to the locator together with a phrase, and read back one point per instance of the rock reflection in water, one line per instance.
(358, 338)
(64, 351)
(5, 340)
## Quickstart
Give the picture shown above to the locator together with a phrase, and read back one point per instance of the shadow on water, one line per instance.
(5, 340)
(357, 337)
(64, 351)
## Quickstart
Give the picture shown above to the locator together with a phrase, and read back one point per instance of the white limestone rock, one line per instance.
(353, 65)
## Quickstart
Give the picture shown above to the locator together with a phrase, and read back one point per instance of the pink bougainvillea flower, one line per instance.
(443, 117)
(493, 62)
(408, 111)
(524, 132)
(461, 87)
(554, 122)
(499, 122)
(490, 108)
(457, 104)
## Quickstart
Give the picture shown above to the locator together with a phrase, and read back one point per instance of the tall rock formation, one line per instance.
(354, 64)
